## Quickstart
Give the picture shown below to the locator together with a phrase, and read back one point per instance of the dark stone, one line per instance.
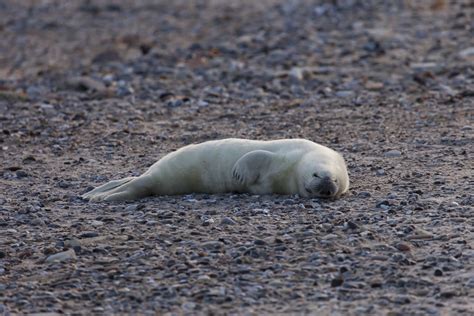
(337, 281)
(88, 235)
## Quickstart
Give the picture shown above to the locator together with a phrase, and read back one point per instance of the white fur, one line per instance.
(287, 166)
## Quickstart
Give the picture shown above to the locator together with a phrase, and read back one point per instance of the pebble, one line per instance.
(88, 235)
(63, 184)
(352, 225)
(37, 222)
(174, 103)
(372, 85)
(470, 283)
(467, 52)
(123, 89)
(228, 221)
(259, 242)
(337, 281)
(36, 92)
(202, 103)
(420, 234)
(21, 174)
(393, 153)
(188, 306)
(364, 194)
(4, 310)
(62, 256)
(423, 66)
(131, 207)
(72, 243)
(85, 84)
(380, 172)
(212, 245)
(344, 94)
(296, 73)
(403, 246)
(448, 293)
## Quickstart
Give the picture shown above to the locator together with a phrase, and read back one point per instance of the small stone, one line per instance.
(174, 103)
(49, 250)
(96, 223)
(419, 233)
(364, 194)
(352, 225)
(202, 103)
(296, 73)
(89, 235)
(206, 220)
(62, 256)
(2, 254)
(330, 237)
(470, 283)
(13, 96)
(372, 85)
(212, 245)
(85, 84)
(259, 242)
(393, 153)
(37, 222)
(448, 293)
(188, 306)
(468, 52)
(63, 184)
(123, 89)
(423, 66)
(448, 90)
(72, 243)
(337, 281)
(403, 246)
(344, 94)
(131, 208)
(438, 272)
(21, 174)
(380, 172)
(4, 310)
(106, 56)
(228, 221)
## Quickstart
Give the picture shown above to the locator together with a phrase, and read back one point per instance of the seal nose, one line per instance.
(325, 192)
(327, 187)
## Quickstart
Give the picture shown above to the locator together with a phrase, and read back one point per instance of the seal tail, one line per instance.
(106, 187)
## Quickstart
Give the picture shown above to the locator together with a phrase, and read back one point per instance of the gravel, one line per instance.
(92, 91)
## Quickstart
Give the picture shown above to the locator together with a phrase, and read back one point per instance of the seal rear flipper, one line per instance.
(106, 187)
(252, 166)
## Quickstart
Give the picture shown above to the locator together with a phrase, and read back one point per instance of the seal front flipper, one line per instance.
(253, 166)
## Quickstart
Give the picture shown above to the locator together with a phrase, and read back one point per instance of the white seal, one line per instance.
(286, 166)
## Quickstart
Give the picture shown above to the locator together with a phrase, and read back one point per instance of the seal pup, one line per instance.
(285, 166)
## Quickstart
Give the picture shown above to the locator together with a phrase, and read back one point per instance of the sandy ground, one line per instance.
(97, 90)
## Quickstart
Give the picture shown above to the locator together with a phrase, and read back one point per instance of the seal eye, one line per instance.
(316, 175)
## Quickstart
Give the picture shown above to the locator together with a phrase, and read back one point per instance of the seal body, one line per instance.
(286, 166)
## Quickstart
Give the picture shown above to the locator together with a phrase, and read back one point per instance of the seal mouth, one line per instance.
(326, 190)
